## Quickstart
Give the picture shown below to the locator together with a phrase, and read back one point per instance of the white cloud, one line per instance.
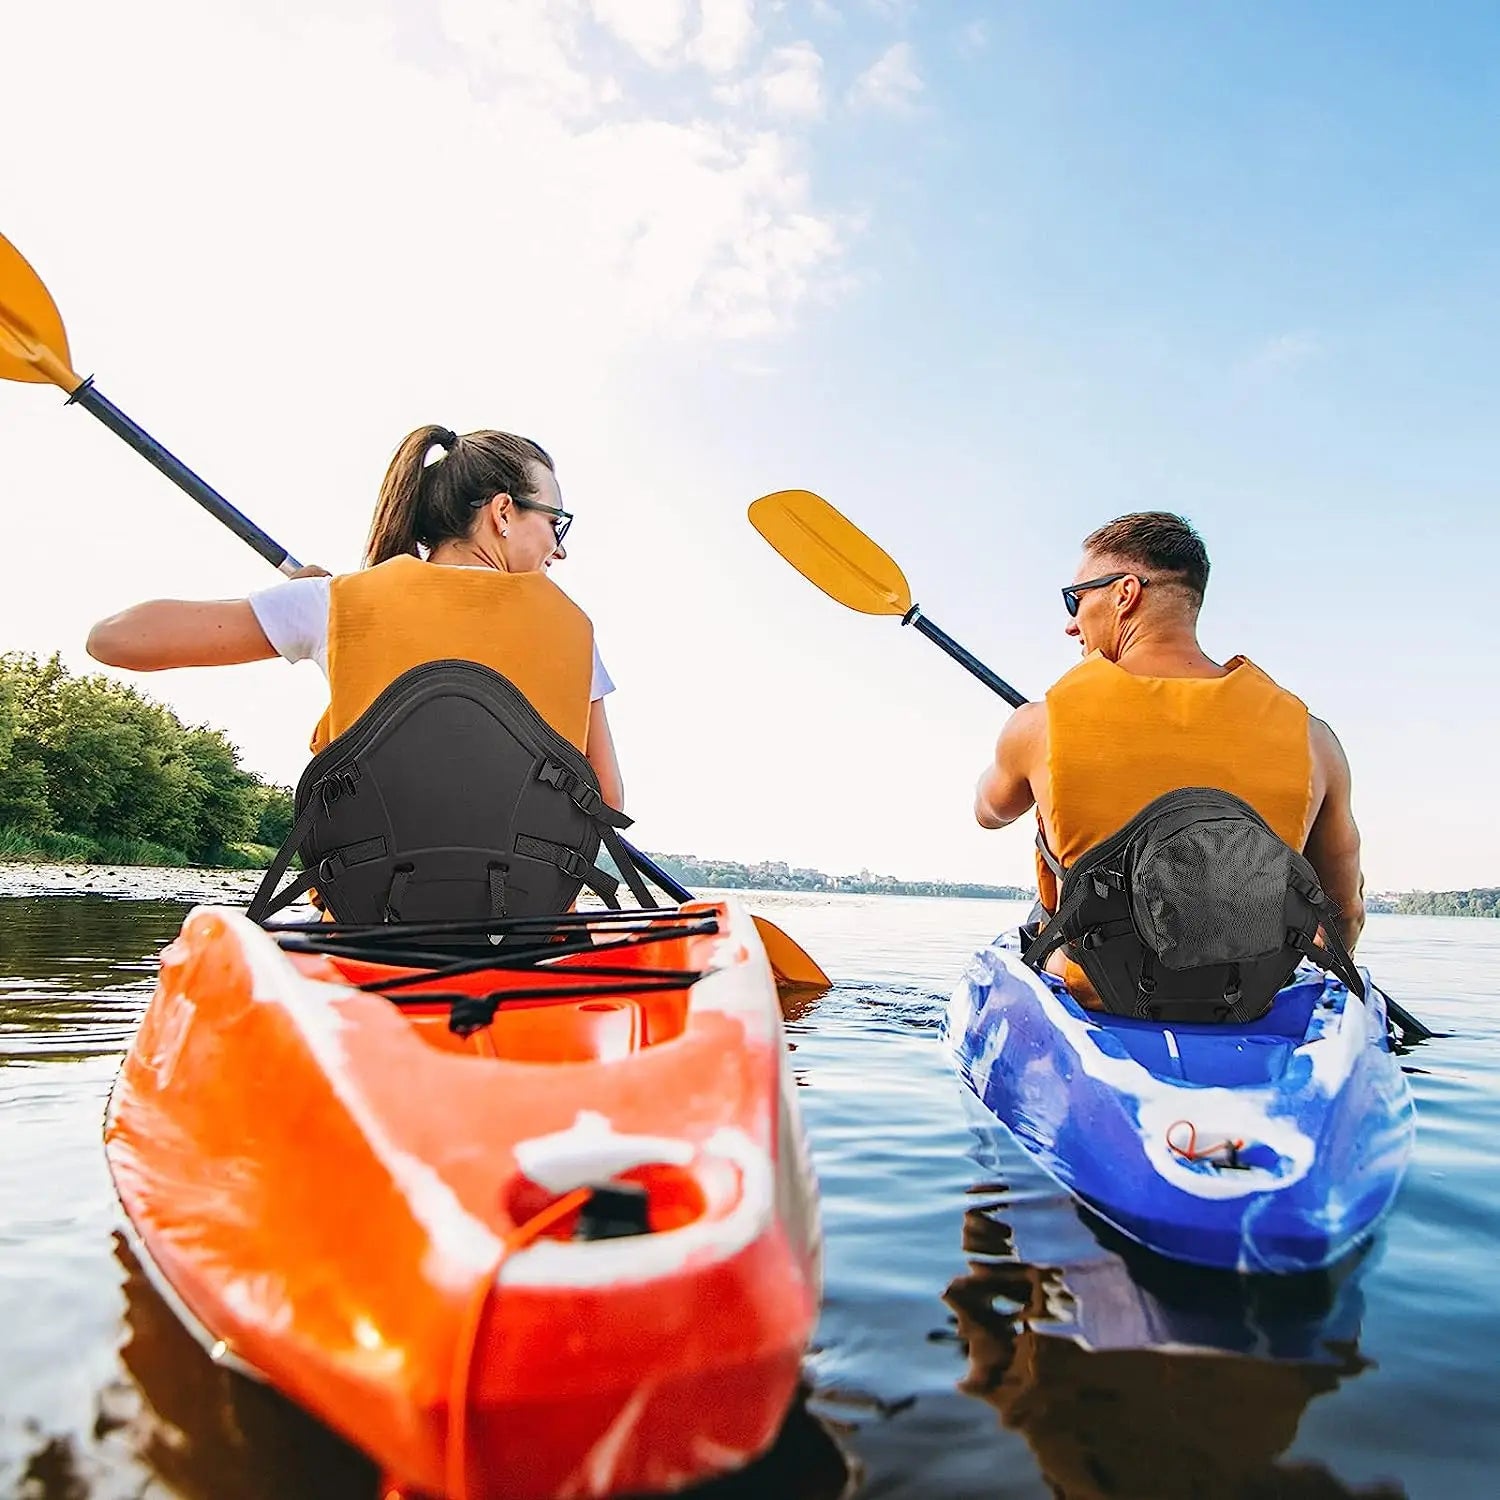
(974, 37)
(652, 28)
(355, 226)
(890, 83)
(792, 84)
(519, 49)
(725, 34)
(1286, 351)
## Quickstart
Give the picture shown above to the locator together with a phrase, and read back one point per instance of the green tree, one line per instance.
(275, 815)
(97, 758)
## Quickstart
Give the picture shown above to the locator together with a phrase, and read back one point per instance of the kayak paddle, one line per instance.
(34, 348)
(833, 554)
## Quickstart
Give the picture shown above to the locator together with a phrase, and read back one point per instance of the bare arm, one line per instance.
(1004, 792)
(185, 633)
(180, 633)
(1333, 841)
(600, 751)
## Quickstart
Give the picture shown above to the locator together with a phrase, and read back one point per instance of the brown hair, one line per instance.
(424, 504)
(1160, 544)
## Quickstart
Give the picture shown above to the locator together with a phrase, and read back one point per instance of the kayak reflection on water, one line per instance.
(1065, 1356)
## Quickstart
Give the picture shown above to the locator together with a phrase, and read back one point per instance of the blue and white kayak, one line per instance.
(1274, 1146)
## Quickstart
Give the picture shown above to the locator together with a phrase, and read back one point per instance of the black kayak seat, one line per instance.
(449, 799)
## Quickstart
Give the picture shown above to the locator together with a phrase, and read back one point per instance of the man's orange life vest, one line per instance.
(1116, 742)
(406, 612)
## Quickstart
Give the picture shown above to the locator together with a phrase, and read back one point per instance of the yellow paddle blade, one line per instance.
(33, 345)
(831, 552)
(792, 964)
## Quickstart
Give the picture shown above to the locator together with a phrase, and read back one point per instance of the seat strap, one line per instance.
(1330, 954)
(400, 876)
(627, 867)
(1051, 936)
(1052, 862)
(584, 797)
(265, 901)
(572, 863)
(499, 873)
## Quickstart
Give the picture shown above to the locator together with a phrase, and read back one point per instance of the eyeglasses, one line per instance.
(1073, 590)
(561, 519)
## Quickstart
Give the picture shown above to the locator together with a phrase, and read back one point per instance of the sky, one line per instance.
(984, 275)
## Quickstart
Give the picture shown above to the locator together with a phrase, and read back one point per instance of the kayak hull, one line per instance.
(340, 1196)
(1131, 1116)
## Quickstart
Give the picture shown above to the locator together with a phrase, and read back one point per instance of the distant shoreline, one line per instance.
(776, 875)
(60, 871)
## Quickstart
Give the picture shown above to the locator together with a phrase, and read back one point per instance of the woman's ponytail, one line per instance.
(397, 525)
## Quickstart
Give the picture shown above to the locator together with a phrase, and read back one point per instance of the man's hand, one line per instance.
(310, 570)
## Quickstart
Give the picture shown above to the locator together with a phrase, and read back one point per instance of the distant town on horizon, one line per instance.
(776, 875)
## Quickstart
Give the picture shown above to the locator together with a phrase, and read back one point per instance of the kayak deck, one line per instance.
(1272, 1146)
(1214, 1055)
(571, 1248)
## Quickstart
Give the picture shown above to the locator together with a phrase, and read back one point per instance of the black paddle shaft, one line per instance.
(183, 477)
(658, 876)
(991, 680)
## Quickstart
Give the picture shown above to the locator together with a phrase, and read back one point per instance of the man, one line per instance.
(1146, 712)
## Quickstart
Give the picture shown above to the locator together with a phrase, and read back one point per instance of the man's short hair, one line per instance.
(1159, 544)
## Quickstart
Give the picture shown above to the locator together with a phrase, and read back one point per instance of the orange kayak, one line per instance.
(541, 1228)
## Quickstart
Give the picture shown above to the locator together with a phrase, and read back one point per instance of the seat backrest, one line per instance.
(449, 799)
(1194, 911)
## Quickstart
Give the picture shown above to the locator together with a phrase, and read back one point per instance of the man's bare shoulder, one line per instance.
(1025, 731)
(1324, 743)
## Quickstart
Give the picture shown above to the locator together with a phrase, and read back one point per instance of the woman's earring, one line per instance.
(505, 531)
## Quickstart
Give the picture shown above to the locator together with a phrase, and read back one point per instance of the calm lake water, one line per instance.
(978, 1339)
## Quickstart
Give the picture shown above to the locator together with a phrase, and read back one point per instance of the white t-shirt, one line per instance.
(294, 616)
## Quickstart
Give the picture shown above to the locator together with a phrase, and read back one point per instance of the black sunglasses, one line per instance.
(561, 519)
(1073, 590)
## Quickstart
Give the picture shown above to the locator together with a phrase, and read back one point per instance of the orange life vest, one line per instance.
(406, 612)
(1116, 742)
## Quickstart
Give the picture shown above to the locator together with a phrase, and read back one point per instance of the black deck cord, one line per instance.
(469, 1013)
(529, 958)
(480, 926)
(445, 965)
(566, 971)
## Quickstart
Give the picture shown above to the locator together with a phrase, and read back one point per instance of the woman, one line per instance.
(488, 514)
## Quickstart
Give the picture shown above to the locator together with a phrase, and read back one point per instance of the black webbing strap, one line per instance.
(571, 862)
(584, 797)
(266, 900)
(617, 851)
(1330, 954)
(498, 873)
(606, 818)
(396, 894)
(1051, 936)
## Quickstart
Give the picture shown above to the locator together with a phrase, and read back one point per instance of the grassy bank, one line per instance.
(24, 845)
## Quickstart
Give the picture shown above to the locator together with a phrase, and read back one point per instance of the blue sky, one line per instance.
(984, 275)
